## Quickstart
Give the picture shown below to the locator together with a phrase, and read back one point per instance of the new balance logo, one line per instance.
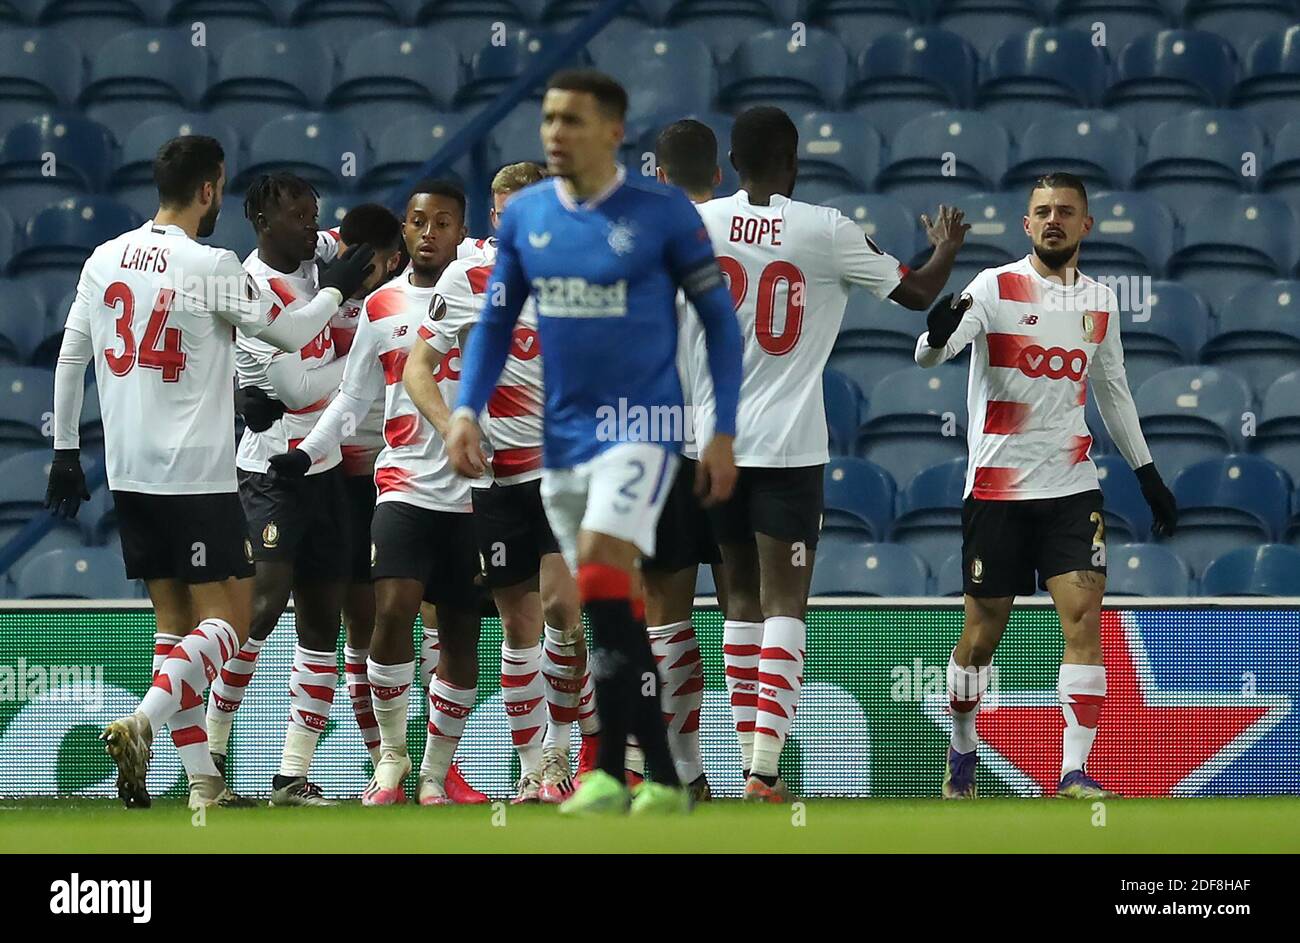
(1029, 319)
(539, 240)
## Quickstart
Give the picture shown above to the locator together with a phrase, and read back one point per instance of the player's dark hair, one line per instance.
(271, 190)
(183, 165)
(372, 224)
(448, 188)
(764, 142)
(1060, 180)
(687, 150)
(609, 95)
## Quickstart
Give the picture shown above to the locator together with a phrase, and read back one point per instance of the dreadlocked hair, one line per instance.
(270, 190)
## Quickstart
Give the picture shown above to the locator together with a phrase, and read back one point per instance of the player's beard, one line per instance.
(208, 222)
(1055, 258)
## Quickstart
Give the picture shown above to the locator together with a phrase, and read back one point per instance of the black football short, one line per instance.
(435, 547)
(303, 521)
(512, 532)
(684, 536)
(1006, 543)
(361, 508)
(194, 538)
(784, 503)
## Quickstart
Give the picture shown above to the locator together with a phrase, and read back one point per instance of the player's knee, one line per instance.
(560, 611)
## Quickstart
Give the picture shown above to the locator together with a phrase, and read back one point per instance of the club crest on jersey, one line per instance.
(270, 536)
(621, 238)
(437, 307)
(977, 570)
(1089, 324)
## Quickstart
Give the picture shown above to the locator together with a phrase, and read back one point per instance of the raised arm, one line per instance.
(946, 233)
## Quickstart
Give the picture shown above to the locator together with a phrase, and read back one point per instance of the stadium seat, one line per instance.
(1099, 148)
(948, 578)
(871, 570)
(405, 145)
(910, 72)
(843, 402)
(313, 145)
(859, 499)
(1191, 413)
(1240, 22)
(1127, 516)
(387, 77)
(984, 23)
(1232, 241)
(1227, 503)
(1123, 20)
(26, 397)
(663, 70)
(496, 66)
(1164, 329)
(517, 137)
(915, 419)
(224, 22)
(945, 154)
(144, 73)
(724, 24)
(23, 325)
(876, 338)
(1160, 75)
(8, 236)
(1132, 235)
(267, 74)
(839, 155)
(859, 22)
(888, 223)
(40, 72)
(929, 512)
(88, 573)
(1269, 90)
(61, 236)
(1268, 570)
(132, 182)
(1196, 157)
(343, 25)
(90, 23)
(1258, 334)
(996, 237)
(1282, 177)
(82, 156)
(1146, 570)
(770, 68)
(704, 584)
(1046, 69)
(1277, 437)
(26, 475)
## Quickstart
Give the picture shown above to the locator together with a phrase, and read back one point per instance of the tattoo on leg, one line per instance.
(1088, 579)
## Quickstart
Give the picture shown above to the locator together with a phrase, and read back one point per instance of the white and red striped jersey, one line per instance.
(512, 422)
(289, 291)
(790, 267)
(1037, 346)
(360, 450)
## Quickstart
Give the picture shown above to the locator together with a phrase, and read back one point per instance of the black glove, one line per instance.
(67, 487)
(944, 318)
(1164, 509)
(291, 464)
(349, 271)
(258, 409)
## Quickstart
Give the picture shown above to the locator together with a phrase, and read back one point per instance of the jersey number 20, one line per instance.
(765, 309)
(169, 358)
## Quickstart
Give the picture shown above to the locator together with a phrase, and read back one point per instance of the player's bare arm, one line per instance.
(422, 388)
(945, 232)
(715, 476)
(465, 445)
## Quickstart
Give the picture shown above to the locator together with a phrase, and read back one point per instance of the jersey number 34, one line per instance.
(169, 358)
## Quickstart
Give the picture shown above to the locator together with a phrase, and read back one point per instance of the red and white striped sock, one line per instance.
(163, 643)
(562, 674)
(354, 671)
(187, 726)
(677, 656)
(430, 655)
(966, 686)
(742, 643)
(312, 682)
(449, 708)
(523, 690)
(780, 679)
(390, 692)
(1081, 690)
(228, 693)
(588, 720)
(187, 671)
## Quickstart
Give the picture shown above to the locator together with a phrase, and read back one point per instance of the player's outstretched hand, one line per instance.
(947, 228)
(349, 271)
(944, 318)
(259, 411)
(1164, 509)
(67, 487)
(291, 464)
(715, 475)
(465, 447)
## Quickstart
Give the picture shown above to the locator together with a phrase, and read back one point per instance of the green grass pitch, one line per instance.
(880, 825)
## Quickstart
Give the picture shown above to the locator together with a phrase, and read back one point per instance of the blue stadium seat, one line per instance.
(387, 77)
(97, 517)
(517, 137)
(496, 66)
(1165, 329)
(132, 182)
(405, 145)
(143, 73)
(1191, 413)
(859, 22)
(1146, 570)
(8, 235)
(469, 24)
(908, 414)
(1160, 75)
(945, 154)
(1231, 241)
(663, 70)
(1258, 334)
(843, 402)
(26, 396)
(225, 22)
(910, 72)
(1240, 22)
(1097, 147)
(948, 578)
(39, 72)
(769, 68)
(839, 155)
(1132, 234)
(704, 583)
(1227, 503)
(23, 324)
(873, 570)
(82, 153)
(90, 23)
(312, 145)
(344, 24)
(61, 236)
(984, 23)
(876, 338)
(929, 512)
(722, 24)
(1282, 177)
(88, 573)
(1196, 157)
(26, 476)
(859, 499)
(888, 223)
(1269, 89)
(1268, 570)
(996, 237)
(1045, 69)
(1277, 437)
(267, 74)
(1127, 516)
(1124, 20)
